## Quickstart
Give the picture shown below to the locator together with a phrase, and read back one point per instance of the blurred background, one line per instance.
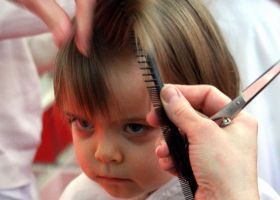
(54, 164)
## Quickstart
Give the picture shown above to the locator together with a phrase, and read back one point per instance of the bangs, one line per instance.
(81, 82)
(186, 44)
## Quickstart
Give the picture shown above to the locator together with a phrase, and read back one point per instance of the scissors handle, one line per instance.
(232, 109)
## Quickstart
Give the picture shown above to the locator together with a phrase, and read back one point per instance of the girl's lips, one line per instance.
(112, 179)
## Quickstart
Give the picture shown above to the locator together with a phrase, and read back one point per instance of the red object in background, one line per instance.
(56, 136)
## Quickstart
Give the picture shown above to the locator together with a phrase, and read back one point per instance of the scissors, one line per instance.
(226, 114)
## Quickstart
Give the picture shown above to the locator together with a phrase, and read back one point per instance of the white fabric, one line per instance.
(266, 191)
(20, 113)
(26, 192)
(83, 188)
(251, 29)
(20, 109)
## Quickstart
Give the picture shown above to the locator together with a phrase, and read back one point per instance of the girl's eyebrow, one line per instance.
(123, 119)
(130, 119)
(68, 114)
(135, 119)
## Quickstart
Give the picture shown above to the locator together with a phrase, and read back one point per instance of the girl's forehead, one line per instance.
(127, 94)
(133, 106)
(125, 76)
(129, 90)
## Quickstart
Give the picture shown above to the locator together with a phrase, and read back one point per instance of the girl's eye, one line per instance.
(136, 129)
(82, 125)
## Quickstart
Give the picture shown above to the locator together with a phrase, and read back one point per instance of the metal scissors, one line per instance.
(224, 116)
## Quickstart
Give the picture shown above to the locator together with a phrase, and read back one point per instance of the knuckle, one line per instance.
(213, 89)
(180, 110)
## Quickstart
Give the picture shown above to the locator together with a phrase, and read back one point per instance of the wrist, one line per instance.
(238, 191)
(246, 188)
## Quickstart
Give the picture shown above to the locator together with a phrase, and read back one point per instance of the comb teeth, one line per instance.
(186, 188)
(177, 146)
(154, 86)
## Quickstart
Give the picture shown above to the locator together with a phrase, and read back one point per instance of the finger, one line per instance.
(205, 98)
(53, 16)
(152, 118)
(166, 163)
(164, 159)
(180, 111)
(84, 16)
(162, 150)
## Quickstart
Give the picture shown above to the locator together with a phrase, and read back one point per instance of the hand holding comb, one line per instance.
(178, 146)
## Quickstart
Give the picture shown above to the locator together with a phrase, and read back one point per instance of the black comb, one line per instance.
(177, 144)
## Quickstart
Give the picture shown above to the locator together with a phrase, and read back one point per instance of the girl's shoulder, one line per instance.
(171, 190)
(84, 188)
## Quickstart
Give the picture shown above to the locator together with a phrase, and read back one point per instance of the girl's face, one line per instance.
(119, 153)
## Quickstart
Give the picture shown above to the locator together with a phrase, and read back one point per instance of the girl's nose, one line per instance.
(108, 151)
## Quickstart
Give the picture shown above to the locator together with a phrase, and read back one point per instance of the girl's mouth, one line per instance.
(112, 180)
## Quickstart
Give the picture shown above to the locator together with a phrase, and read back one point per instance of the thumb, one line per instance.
(179, 110)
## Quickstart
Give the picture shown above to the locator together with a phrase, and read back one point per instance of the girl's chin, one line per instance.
(128, 195)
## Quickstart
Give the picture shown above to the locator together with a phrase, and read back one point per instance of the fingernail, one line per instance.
(169, 93)
(159, 148)
(162, 149)
(81, 45)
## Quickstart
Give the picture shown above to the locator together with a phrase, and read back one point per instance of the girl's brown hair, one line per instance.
(180, 33)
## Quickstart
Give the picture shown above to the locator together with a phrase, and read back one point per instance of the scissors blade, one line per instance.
(247, 95)
(258, 85)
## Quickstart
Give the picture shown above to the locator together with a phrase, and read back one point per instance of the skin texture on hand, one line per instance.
(224, 160)
(59, 22)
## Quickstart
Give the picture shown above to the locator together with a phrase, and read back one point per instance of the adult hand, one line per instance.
(223, 159)
(59, 22)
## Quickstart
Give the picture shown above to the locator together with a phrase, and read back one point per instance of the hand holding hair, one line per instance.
(59, 22)
(224, 160)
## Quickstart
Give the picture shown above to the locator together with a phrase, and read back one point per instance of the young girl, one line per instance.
(105, 98)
